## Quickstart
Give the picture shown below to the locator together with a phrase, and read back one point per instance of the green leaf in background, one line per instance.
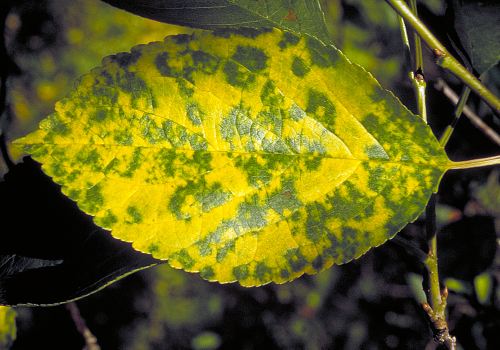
(478, 27)
(483, 285)
(299, 16)
(250, 156)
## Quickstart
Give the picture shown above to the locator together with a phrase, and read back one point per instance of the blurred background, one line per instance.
(370, 303)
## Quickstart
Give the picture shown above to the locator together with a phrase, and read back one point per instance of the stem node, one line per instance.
(427, 308)
(439, 54)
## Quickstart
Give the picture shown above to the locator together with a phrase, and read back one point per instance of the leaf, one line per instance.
(51, 252)
(253, 156)
(299, 16)
(483, 284)
(7, 327)
(487, 197)
(478, 27)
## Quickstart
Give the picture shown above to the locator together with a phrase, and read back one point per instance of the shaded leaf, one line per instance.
(457, 286)
(51, 252)
(478, 27)
(487, 197)
(299, 16)
(483, 285)
(14, 264)
(253, 157)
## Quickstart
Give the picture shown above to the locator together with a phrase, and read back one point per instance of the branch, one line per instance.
(459, 107)
(443, 57)
(90, 340)
(409, 247)
(436, 308)
(416, 75)
(474, 119)
(440, 327)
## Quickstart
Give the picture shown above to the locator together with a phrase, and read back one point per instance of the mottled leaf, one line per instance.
(478, 27)
(7, 327)
(253, 156)
(299, 16)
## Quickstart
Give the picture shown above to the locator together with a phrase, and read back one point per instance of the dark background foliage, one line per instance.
(370, 303)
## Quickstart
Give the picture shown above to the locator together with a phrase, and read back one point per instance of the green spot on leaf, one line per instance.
(222, 252)
(207, 273)
(194, 113)
(236, 75)
(94, 199)
(205, 62)
(183, 258)
(288, 39)
(135, 215)
(251, 58)
(299, 67)
(123, 137)
(251, 214)
(241, 272)
(107, 221)
(262, 271)
(153, 248)
(100, 115)
(320, 105)
(161, 63)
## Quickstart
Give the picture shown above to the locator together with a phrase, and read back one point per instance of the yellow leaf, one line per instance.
(254, 155)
